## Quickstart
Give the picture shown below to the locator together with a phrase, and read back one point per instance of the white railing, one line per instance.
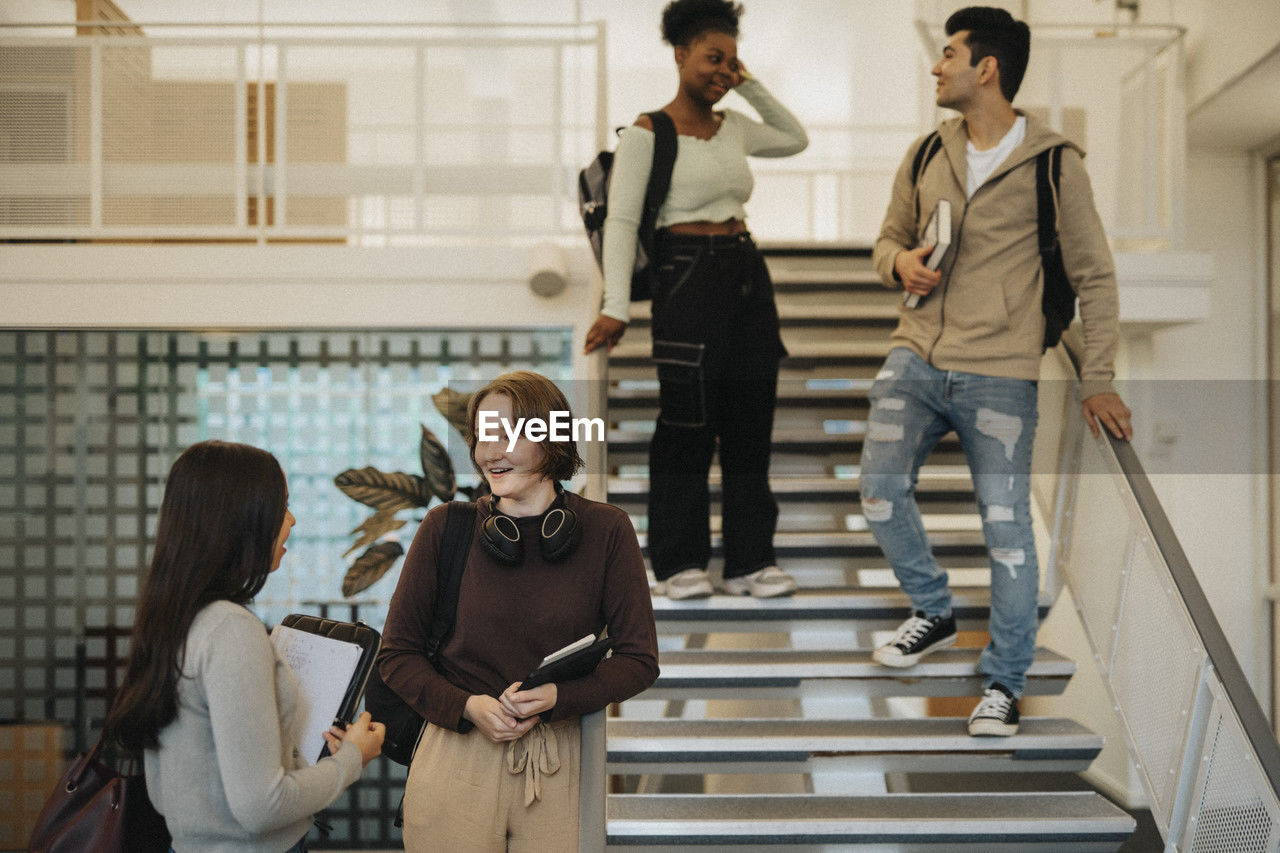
(396, 135)
(1206, 757)
(386, 135)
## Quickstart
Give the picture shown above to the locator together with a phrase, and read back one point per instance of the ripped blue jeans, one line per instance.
(913, 405)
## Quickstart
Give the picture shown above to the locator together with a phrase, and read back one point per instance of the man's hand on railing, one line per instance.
(1108, 409)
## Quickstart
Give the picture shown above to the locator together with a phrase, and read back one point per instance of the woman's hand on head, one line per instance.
(743, 74)
(605, 332)
(528, 703)
(494, 722)
(364, 733)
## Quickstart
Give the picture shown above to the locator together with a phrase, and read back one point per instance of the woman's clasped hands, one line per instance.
(509, 716)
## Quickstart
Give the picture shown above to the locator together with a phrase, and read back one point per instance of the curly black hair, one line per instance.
(685, 20)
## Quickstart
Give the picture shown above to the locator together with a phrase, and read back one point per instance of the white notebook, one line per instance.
(324, 668)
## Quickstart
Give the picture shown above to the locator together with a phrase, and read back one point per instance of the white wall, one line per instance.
(1203, 440)
(1212, 410)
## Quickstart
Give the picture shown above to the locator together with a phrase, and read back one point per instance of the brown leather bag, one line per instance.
(97, 808)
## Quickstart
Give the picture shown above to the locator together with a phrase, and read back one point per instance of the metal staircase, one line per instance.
(770, 725)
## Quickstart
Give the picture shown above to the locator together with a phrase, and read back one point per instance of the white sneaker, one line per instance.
(690, 583)
(769, 582)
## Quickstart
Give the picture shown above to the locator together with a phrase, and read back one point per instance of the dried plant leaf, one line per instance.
(453, 405)
(437, 466)
(370, 567)
(374, 528)
(384, 492)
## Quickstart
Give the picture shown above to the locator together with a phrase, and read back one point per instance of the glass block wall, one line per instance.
(90, 423)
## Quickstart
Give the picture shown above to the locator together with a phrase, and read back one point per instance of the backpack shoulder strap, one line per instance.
(664, 162)
(1058, 299)
(459, 525)
(1048, 180)
(931, 145)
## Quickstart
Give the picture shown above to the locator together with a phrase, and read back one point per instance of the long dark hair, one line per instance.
(222, 511)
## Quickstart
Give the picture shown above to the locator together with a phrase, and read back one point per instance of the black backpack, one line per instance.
(593, 201)
(1058, 301)
(404, 725)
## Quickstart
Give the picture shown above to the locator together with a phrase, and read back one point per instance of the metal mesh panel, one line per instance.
(377, 139)
(90, 423)
(345, 104)
(1098, 525)
(165, 163)
(44, 136)
(1233, 811)
(82, 441)
(1156, 701)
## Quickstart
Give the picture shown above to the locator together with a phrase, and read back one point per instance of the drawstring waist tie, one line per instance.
(537, 754)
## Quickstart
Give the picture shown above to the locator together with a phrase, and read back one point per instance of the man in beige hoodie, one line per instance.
(967, 357)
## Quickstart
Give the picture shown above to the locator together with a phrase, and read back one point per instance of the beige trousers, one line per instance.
(466, 794)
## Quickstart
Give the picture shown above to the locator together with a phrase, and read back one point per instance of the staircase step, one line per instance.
(879, 745)
(644, 394)
(791, 315)
(784, 440)
(1066, 821)
(869, 609)
(849, 542)
(706, 673)
(857, 253)
(935, 479)
(632, 352)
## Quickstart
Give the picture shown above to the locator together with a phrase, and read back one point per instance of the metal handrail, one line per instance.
(1178, 815)
(1216, 646)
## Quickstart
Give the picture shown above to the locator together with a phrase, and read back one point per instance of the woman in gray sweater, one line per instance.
(205, 695)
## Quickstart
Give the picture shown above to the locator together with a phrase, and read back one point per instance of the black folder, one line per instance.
(356, 633)
(576, 665)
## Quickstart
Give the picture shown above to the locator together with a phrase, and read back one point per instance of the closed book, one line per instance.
(937, 233)
(573, 661)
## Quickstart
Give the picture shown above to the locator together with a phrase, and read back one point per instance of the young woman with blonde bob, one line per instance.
(497, 768)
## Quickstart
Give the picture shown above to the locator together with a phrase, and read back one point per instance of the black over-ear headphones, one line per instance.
(559, 533)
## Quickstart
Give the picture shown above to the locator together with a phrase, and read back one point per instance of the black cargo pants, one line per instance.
(717, 346)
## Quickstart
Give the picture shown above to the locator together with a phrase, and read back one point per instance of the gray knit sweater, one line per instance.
(226, 776)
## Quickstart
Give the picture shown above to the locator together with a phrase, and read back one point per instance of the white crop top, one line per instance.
(710, 181)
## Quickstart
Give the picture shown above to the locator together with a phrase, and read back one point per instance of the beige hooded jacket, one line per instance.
(985, 316)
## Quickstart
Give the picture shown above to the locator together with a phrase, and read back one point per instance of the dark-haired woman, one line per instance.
(715, 325)
(497, 768)
(205, 695)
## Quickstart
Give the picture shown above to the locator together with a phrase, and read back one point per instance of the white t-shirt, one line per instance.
(982, 163)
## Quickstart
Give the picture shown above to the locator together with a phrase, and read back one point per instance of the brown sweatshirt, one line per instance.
(510, 617)
(985, 316)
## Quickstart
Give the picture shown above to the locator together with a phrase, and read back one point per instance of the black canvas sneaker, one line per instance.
(916, 638)
(996, 714)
